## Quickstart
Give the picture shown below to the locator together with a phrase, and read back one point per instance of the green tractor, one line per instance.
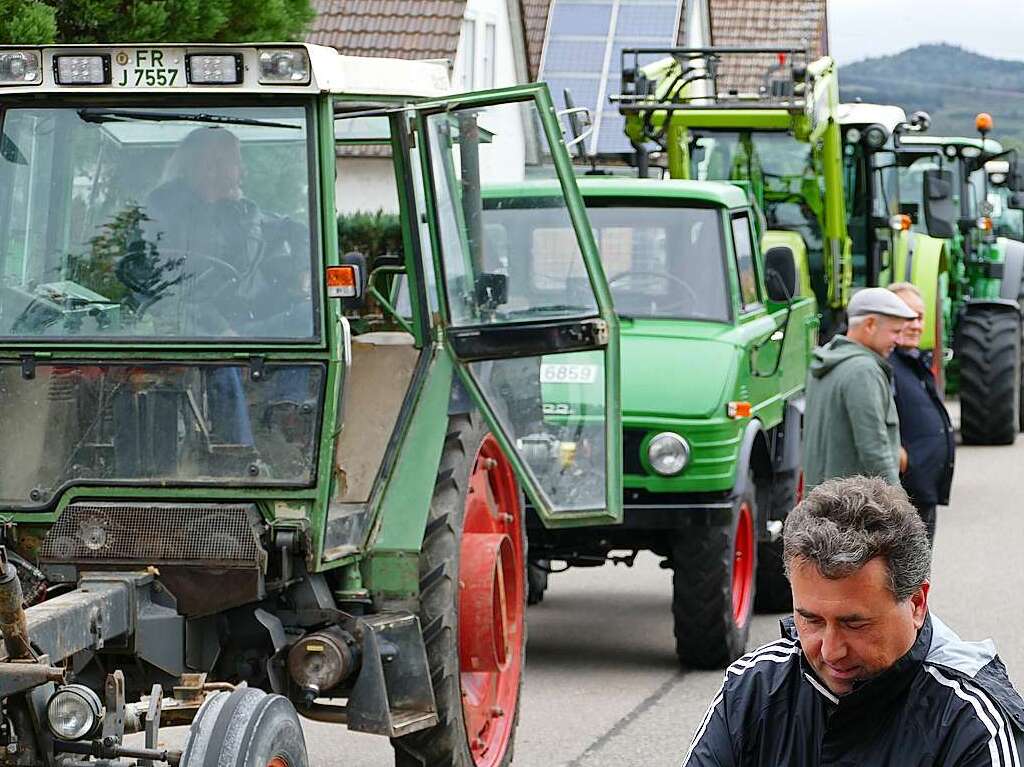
(986, 282)
(247, 476)
(717, 332)
(886, 249)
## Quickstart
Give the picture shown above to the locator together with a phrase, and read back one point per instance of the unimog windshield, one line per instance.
(662, 262)
(184, 223)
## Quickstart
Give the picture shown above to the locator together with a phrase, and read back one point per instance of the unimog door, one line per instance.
(517, 324)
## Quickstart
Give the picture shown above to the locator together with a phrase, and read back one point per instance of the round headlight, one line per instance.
(852, 136)
(73, 712)
(668, 453)
(950, 151)
(875, 136)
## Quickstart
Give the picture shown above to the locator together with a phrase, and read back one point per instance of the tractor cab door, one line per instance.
(525, 312)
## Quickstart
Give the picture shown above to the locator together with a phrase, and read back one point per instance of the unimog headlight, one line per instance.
(668, 453)
(73, 712)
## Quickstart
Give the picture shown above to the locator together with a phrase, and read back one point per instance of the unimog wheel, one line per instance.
(713, 586)
(472, 605)
(773, 594)
(245, 728)
(988, 343)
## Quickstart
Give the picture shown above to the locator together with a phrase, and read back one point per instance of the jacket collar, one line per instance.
(879, 689)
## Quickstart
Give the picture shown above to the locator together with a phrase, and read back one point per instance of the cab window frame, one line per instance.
(745, 306)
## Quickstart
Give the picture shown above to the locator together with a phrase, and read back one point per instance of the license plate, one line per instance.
(568, 373)
(149, 68)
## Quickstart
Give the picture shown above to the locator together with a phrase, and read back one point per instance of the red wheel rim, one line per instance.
(491, 599)
(278, 761)
(743, 566)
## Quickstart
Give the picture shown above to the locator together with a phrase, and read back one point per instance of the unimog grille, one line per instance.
(209, 556)
(154, 533)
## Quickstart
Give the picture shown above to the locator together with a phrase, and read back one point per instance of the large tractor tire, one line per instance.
(472, 605)
(245, 728)
(713, 586)
(988, 344)
(773, 593)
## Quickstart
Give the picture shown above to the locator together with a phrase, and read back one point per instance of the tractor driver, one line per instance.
(864, 673)
(207, 235)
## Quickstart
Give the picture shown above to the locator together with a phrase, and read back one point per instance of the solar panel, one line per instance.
(582, 52)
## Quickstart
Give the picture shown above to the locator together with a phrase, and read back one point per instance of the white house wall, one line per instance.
(365, 184)
(504, 161)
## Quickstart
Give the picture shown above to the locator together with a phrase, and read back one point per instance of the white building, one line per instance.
(485, 43)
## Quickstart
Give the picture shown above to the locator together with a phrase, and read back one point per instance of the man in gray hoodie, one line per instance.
(850, 422)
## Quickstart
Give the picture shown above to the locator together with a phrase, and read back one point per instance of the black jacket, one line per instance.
(925, 430)
(946, 702)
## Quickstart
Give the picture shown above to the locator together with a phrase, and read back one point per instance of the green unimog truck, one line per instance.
(237, 480)
(717, 331)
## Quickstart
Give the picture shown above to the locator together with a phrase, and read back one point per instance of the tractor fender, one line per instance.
(922, 262)
(754, 454)
(999, 304)
(1013, 268)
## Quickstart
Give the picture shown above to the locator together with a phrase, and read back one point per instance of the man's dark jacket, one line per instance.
(946, 702)
(925, 430)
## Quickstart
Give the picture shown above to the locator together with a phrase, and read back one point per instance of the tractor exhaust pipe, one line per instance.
(13, 624)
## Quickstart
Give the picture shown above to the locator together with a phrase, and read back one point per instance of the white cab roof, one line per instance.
(331, 72)
(886, 115)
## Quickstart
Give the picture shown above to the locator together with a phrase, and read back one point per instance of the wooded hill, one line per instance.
(948, 82)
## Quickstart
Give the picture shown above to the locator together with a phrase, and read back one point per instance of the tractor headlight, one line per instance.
(875, 136)
(73, 712)
(852, 136)
(20, 68)
(668, 453)
(284, 66)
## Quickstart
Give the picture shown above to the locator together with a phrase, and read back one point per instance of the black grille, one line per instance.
(152, 533)
(631, 439)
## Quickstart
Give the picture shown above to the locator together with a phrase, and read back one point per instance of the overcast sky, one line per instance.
(862, 28)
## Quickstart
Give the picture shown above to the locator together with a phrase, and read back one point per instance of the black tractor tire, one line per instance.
(536, 581)
(245, 728)
(988, 344)
(773, 593)
(446, 744)
(707, 633)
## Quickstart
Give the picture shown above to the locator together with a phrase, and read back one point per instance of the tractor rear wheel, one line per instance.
(245, 728)
(713, 586)
(773, 592)
(988, 344)
(472, 605)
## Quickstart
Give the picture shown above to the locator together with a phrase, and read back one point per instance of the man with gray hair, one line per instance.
(863, 674)
(850, 422)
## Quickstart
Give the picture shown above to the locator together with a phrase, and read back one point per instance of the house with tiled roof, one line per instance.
(482, 40)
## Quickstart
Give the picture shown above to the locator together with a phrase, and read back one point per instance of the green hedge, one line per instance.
(372, 234)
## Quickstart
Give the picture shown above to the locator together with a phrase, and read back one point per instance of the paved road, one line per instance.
(602, 685)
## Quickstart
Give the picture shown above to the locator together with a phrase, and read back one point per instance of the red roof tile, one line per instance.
(405, 29)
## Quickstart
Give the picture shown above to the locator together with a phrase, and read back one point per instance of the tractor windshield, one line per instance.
(156, 223)
(665, 262)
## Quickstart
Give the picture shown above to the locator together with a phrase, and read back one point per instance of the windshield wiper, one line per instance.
(125, 115)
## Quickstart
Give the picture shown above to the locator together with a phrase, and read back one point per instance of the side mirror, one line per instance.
(940, 212)
(780, 273)
(1016, 201)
